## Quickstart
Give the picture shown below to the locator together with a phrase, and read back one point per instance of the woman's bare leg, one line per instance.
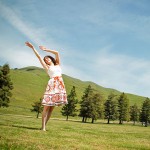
(49, 113)
(44, 116)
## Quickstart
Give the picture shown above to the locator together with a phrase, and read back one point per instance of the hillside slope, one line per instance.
(30, 83)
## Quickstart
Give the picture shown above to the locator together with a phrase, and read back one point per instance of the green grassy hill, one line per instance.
(30, 83)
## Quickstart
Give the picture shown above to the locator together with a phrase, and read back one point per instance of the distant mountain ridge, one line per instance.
(30, 82)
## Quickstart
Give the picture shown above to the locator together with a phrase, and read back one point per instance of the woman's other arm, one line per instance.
(53, 52)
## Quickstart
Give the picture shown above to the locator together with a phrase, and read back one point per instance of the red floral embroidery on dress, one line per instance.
(47, 99)
(55, 92)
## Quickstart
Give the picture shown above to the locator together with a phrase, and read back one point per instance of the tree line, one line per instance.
(116, 107)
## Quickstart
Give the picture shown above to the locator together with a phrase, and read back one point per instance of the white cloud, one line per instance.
(111, 18)
(14, 20)
(111, 70)
(20, 56)
(23, 57)
(36, 34)
(124, 73)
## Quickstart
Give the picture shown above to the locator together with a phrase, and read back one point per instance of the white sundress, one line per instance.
(55, 94)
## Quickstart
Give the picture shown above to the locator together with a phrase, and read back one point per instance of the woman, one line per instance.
(55, 94)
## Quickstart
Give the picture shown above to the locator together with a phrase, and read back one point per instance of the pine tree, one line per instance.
(85, 103)
(91, 105)
(37, 107)
(134, 113)
(110, 111)
(5, 86)
(70, 108)
(145, 112)
(123, 108)
(96, 104)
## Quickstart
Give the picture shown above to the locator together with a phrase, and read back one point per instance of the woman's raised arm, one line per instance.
(53, 52)
(37, 54)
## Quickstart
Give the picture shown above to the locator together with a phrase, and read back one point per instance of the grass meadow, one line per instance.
(20, 132)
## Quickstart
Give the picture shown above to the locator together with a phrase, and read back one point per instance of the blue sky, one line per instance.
(104, 41)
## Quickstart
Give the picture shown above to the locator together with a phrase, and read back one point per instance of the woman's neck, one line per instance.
(51, 64)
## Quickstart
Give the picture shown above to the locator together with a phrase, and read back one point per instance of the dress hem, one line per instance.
(58, 104)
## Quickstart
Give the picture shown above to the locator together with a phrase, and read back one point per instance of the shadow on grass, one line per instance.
(99, 122)
(18, 126)
(25, 127)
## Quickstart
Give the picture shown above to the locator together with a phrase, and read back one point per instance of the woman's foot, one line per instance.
(42, 129)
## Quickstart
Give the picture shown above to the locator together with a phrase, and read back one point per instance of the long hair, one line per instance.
(52, 58)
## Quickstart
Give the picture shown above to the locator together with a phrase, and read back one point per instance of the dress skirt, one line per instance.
(55, 94)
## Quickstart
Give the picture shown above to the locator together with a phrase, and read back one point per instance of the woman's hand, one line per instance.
(29, 45)
(53, 52)
(43, 48)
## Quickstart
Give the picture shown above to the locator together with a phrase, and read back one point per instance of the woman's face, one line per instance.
(48, 60)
